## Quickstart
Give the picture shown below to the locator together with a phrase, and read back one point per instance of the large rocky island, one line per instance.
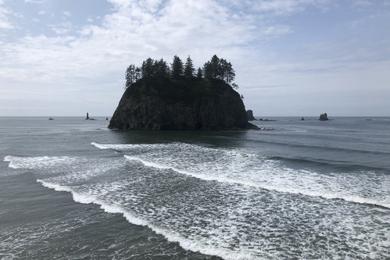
(161, 98)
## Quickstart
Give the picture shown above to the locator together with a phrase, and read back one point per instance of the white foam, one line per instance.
(187, 244)
(17, 162)
(115, 146)
(283, 189)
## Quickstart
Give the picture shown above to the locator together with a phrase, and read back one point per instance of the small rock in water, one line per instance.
(324, 117)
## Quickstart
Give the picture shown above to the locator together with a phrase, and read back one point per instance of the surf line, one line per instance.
(185, 243)
(352, 199)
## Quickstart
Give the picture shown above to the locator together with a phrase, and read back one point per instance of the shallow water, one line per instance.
(306, 189)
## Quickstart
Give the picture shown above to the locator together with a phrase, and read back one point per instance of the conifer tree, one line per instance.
(148, 68)
(138, 73)
(208, 71)
(189, 69)
(199, 74)
(161, 68)
(177, 68)
(130, 75)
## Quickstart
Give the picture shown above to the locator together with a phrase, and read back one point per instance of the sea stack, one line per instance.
(324, 117)
(159, 97)
(249, 114)
(167, 104)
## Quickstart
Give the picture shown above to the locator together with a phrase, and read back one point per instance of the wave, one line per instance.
(185, 243)
(222, 179)
(319, 147)
(176, 145)
(121, 147)
(338, 164)
(17, 162)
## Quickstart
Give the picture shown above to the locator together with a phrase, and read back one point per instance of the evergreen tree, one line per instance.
(148, 68)
(230, 74)
(215, 67)
(130, 75)
(189, 69)
(177, 68)
(199, 74)
(161, 69)
(218, 68)
(138, 73)
(208, 71)
(226, 71)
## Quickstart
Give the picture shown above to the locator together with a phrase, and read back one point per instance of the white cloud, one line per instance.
(89, 63)
(4, 16)
(62, 28)
(128, 35)
(276, 30)
(279, 7)
(34, 1)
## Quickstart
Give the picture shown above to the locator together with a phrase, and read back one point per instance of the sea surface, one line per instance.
(72, 189)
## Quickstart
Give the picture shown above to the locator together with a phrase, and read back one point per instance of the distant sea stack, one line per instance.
(249, 114)
(163, 98)
(324, 117)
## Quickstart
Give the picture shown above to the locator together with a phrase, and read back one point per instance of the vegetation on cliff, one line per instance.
(162, 97)
(216, 68)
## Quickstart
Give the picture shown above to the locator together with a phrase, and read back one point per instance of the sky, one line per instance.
(291, 57)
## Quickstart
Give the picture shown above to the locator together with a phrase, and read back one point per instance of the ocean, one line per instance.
(73, 189)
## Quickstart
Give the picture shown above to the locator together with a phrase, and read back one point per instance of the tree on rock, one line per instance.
(148, 68)
(161, 69)
(132, 75)
(189, 69)
(226, 71)
(199, 74)
(177, 68)
(218, 68)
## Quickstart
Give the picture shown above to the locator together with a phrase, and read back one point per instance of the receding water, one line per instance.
(71, 188)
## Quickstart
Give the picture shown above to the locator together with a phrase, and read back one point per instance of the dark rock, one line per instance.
(323, 117)
(302, 119)
(89, 118)
(166, 104)
(249, 114)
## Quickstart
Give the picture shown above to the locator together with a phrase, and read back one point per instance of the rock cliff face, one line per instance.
(166, 104)
(324, 117)
(249, 115)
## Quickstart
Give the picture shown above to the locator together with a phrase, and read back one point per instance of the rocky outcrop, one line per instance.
(249, 115)
(185, 104)
(323, 117)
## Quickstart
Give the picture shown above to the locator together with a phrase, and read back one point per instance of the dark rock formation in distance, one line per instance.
(323, 117)
(180, 104)
(249, 114)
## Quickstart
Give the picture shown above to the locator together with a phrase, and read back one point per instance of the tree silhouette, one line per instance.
(199, 74)
(147, 68)
(131, 75)
(177, 68)
(161, 69)
(189, 69)
(216, 68)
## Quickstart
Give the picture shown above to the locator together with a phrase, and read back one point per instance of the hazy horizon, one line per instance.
(292, 58)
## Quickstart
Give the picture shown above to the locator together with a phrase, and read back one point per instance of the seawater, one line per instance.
(71, 188)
